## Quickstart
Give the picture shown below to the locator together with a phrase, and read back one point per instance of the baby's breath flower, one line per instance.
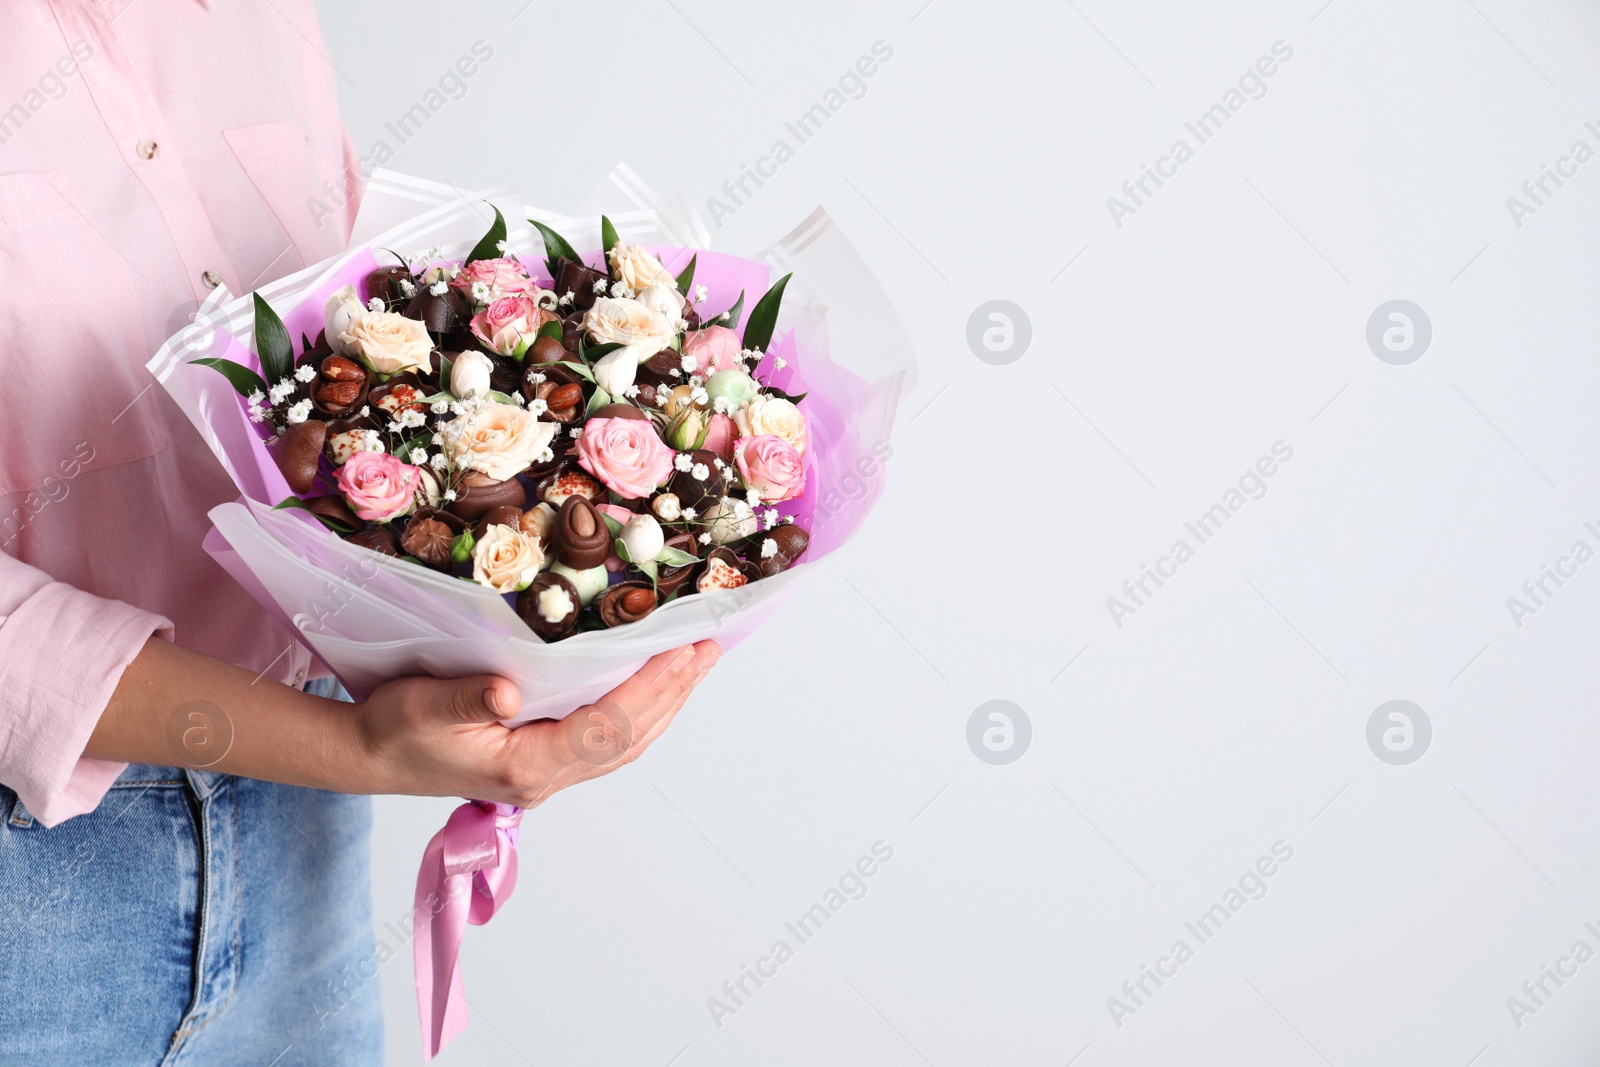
(683, 461)
(305, 373)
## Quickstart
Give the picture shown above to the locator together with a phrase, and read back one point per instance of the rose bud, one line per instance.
(670, 579)
(577, 279)
(550, 606)
(568, 482)
(478, 494)
(721, 570)
(687, 430)
(504, 515)
(342, 311)
(539, 521)
(333, 507)
(697, 492)
(546, 349)
(297, 451)
(444, 312)
(377, 538)
(626, 602)
(385, 284)
(469, 374)
(643, 537)
(428, 539)
(581, 538)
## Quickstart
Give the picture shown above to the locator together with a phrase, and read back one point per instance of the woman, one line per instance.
(183, 843)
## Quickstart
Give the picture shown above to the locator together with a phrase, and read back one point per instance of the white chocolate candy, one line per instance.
(589, 584)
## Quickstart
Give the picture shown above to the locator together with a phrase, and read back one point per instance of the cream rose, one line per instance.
(343, 310)
(636, 268)
(774, 415)
(388, 342)
(506, 560)
(643, 331)
(499, 441)
(664, 299)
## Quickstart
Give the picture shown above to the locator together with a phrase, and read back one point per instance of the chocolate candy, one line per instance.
(589, 583)
(577, 279)
(384, 283)
(581, 538)
(377, 538)
(550, 606)
(334, 507)
(428, 539)
(297, 451)
(546, 349)
(667, 363)
(572, 333)
(505, 373)
(788, 542)
(568, 481)
(340, 386)
(626, 602)
(401, 393)
(671, 579)
(695, 492)
(500, 516)
(619, 411)
(721, 570)
(444, 313)
(477, 495)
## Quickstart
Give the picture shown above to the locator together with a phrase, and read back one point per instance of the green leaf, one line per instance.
(599, 400)
(649, 568)
(675, 557)
(588, 354)
(489, 246)
(555, 247)
(447, 367)
(579, 369)
(244, 380)
(764, 316)
(434, 398)
(608, 236)
(730, 318)
(618, 545)
(612, 524)
(686, 279)
(501, 398)
(549, 329)
(272, 343)
(461, 547)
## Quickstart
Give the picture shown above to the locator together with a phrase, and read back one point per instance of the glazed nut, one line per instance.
(564, 396)
(340, 369)
(339, 393)
(638, 601)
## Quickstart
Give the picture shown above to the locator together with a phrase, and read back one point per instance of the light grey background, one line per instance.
(1230, 712)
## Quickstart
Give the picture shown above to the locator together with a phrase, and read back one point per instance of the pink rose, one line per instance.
(712, 349)
(509, 325)
(378, 486)
(625, 454)
(509, 276)
(771, 466)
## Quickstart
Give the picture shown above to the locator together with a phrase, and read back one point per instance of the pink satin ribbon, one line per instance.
(468, 872)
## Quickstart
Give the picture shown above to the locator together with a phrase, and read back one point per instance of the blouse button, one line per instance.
(211, 279)
(147, 149)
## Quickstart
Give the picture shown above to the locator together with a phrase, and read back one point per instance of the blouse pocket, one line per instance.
(277, 160)
(72, 375)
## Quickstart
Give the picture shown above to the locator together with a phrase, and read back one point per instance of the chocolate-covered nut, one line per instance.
(670, 579)
(377, 538)
(695, 492)
(339, 388)
(721, 570)
(297, 451)
(385, 283)
(564, 402)
(577, 279)
(626, 602)
(428, 539)
(500, 516)
(441, 313)
(334, 507)
(580, 538)
(569, 481)
(549, 606)
(546, 349)
(478, 495)
(619, 411)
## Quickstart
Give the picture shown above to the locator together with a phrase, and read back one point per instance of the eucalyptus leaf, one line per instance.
(764, 316)
(608, 236)
(244, 380)
(612, 524)
(272, 343)
(599, 400)
(675, 557)
(489, 246)
(686, 279)
(579, 369)
(555, 247)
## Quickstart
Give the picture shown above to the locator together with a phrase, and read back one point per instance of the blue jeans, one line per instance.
(192, 918)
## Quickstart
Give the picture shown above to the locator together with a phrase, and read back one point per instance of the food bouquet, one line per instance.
(547, 451)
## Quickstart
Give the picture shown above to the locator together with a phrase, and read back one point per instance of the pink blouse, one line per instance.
(149, 150)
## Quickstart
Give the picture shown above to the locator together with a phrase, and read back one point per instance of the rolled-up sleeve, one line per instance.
(62, 653)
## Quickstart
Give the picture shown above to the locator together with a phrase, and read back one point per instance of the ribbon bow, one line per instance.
(468, 872)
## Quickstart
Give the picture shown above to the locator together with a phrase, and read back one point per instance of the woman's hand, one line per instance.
(434, 737)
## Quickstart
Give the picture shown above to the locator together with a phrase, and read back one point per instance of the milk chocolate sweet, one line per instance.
(671, 579)
(774, 551)
(546, 349)
(440, 312)
(340, 386)
(333, 507)
(389, 284)
(539, 521)
(550, 606)
(504, 515)
(377, 538)
(577, 279)
(428, 539)
(297, 451)
(702, 484)
(581, 538)
(478, 495)
(619, 411)
(721, 570)
(626, 602)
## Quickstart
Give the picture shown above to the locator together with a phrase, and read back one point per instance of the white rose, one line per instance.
(644, 331)
(664, 299)
(615, 371)
(506, 559)
(388, 342)
(499, 441)
(642, 534)
(469, 374)
(343, 310)
(774, 415)
(636, 268)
